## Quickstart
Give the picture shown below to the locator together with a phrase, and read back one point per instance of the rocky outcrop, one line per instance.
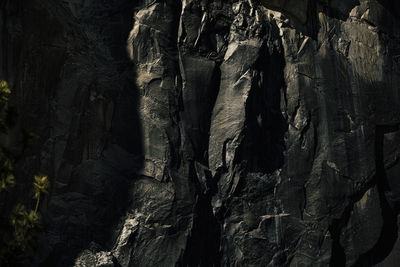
(210, 133)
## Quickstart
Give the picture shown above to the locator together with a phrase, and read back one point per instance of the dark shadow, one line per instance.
(203, 247)
(337, 9)
(391, 6)
(264, 143)
(340, 9)
(103, 184)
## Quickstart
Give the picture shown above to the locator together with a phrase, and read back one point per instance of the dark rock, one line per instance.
(209, 133)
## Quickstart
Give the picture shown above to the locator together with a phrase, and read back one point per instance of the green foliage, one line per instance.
(25, 224)
(22, 226)
(4, 95)
(40, 185)
(19, 224)
(7, 179)
(4, 92)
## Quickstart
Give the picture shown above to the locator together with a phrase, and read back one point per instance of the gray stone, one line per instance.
(208, 133)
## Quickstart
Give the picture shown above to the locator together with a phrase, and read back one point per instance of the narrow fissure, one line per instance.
(389, 230)
(203, 245)
(202, 248)
(388, 234)
(264, 143)
(338, 256)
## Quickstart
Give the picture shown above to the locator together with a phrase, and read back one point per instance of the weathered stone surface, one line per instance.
(209, 133)
(93, 256)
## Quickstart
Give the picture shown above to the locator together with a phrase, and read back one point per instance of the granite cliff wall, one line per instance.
(210, 133)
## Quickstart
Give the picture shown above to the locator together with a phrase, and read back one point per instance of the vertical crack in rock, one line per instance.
(338, 227)
(204, 242)
(201, 77)
(338, 256)
(263, 144)
(389, 230)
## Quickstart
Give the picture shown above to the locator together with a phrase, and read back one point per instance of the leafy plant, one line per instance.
(4, 96)
(7, 179)
(4, 92)
(24, 223)
(40, 186)
(19, 225)
(7, 182)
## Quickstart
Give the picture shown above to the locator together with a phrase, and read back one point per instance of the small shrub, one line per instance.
(19, 224)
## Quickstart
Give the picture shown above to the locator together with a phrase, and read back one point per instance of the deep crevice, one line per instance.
(202, 248)
(388, 234)
(264, 143)
(389, 230)
(338, 256)
(203, 245)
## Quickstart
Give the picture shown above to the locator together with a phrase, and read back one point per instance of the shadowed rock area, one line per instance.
(210, 132)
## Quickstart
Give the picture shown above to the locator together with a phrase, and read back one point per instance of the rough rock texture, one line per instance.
(210, 133)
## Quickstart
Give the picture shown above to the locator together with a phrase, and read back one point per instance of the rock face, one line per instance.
(210, 132)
